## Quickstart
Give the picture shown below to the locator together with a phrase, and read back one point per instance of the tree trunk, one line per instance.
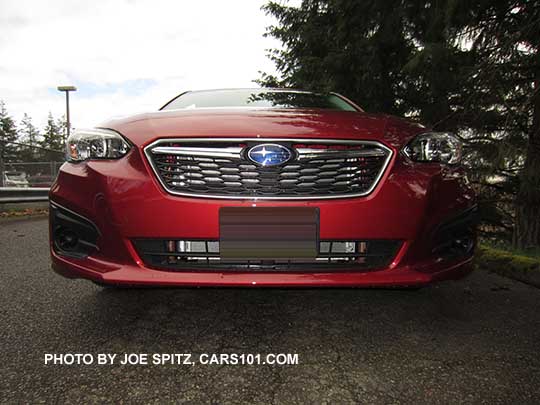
(527, 228)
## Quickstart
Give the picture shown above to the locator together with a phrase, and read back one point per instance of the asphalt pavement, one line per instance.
(472, 341)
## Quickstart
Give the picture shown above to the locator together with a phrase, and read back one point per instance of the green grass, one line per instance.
(517, 260)
(532, 253)
(512, 264)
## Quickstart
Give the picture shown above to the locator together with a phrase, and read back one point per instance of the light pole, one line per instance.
(67, 89)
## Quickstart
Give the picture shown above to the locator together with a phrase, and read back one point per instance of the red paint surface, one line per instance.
(124, 199)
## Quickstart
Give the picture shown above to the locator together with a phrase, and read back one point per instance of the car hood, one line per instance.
(142, 129)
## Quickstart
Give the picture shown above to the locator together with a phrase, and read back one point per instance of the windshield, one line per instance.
(258, 98)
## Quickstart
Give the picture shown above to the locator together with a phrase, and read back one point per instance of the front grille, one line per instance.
(222, 169)
(203, 255)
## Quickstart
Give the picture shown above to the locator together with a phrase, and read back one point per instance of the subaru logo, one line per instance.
(269, 154)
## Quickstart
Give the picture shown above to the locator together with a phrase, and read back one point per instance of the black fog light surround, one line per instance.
(72, 234)
(66, 239)
(456, 237)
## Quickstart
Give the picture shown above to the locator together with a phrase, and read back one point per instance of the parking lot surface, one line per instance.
(472, 341)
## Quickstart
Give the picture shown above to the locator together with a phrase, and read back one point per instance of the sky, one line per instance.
(125, 56)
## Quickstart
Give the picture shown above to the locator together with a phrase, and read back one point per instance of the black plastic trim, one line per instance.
(63, 219)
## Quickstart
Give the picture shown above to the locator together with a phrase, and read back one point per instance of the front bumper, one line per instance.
(137, 275)
(124, 202)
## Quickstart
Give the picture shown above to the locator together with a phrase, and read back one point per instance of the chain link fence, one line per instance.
(28, 166)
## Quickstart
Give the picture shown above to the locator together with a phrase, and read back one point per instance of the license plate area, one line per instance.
(268, 233)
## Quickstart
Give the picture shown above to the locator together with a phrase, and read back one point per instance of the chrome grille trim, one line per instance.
(230, 152)
(234, 153)
(305, 153)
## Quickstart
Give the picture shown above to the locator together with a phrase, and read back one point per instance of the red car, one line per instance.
(262, 187)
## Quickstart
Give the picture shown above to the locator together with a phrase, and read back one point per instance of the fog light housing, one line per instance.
(72, 234)
(66, 239)
(456, 237)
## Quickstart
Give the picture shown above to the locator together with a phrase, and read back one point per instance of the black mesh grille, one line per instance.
(167, 254)
(316, 170)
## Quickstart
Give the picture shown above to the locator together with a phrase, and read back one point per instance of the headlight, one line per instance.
(95, 143)
(440, 147)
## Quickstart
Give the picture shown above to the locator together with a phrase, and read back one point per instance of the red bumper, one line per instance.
(133, 274)
(124, 201)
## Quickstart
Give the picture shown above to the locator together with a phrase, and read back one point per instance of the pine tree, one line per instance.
(30, 137)
(8, 130)
(513, 38)
(61, 124)
(29, 133)
(52, 142)
(472, 70)
(8, 134)
(355, 48)
(52, 136)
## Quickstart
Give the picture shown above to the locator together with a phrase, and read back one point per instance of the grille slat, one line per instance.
(204, 255)
(318, 172)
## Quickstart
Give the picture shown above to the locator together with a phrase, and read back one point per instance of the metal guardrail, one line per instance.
(13, 195)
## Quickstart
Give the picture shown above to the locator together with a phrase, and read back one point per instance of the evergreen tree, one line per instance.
(61, 124)
(509, 39)
(29, 133)
(52, 141)
(8, 130)
(473, 70)
(52, 136)
(356, 48)
(30, 137)
(490, 86)
(8, 134)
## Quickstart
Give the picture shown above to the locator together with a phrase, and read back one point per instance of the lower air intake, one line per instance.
(203, 255)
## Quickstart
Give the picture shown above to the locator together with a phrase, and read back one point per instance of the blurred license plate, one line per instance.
(268, 233)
